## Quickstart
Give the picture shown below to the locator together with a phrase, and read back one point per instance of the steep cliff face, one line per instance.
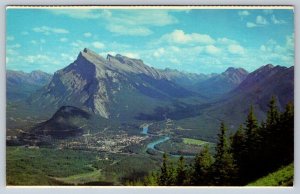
(107, 86)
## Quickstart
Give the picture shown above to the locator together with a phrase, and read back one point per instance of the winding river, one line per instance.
(162, 139)
(152, 145)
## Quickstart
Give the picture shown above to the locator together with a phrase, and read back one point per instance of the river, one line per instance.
(152, 145)
(162, 139)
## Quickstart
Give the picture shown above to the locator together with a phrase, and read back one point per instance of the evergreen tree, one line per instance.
(286, 133)
(201, 169)
(152, 180)
(238, 148)
(223, 168)
(163, 178)
(166, 176)
(181, 175)
(251, 126)
(251, 154)
(272, 114)
(271, 138)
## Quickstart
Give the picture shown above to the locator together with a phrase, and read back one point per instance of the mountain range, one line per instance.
(114, 87)
(125, 89)
(21, 85)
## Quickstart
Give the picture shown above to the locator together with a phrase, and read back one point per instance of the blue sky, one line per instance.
(197, 40)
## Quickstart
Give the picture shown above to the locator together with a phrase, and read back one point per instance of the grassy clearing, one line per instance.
(282, 177)
(82, 178)
(194, 141)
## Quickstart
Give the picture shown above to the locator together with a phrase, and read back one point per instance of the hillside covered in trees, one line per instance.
(254, 151)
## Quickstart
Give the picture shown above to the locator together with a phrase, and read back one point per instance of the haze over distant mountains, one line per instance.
(123, 88)
(20, 84)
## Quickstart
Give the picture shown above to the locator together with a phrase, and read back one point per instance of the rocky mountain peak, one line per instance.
(91, 56)
(232, 70)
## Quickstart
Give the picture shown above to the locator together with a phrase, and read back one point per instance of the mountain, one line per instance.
(265, 82)
(68, 121)
(115, 87)
(221, 83)
(184, 79)
(257, 90)
(20, 84)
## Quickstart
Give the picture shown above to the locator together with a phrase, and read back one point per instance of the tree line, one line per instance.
(253, 151)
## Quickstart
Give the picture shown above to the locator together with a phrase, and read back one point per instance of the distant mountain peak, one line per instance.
(236, 70)
(229, 69)
(265, 67)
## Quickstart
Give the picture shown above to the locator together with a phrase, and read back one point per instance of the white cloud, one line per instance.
(180, 37)
(67, 56)
(33, 42)
(243, 13)
(261, 20)
(159, 52)
(36, 58)
(125, 22)
(63, 40)
(87, 34)
(263, 48)
(46, 30)
(131, 55)
(226, 41)
(133, 31)
(144, 18)
(82, 13)
(98, 45)
(236, 49)
(277, 21)
(251, 25)
(174, 61)
(211, 49)
(10, 38)
(14, 46)
(273, 52)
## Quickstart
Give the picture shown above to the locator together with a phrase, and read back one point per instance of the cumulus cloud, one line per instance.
(277, 21)
(180, 37)
(81, 13)
(131, 55)
(261, 20)
(98, 45)
(243, 13)
(236, 49)
(36, 58)
(46, 30)
(226, 41)
(10, 38)
(159, 52)
(125, 22)
(14, 46)
(87, 34)
(251, 25)
(63, 40)
(211, 49)
(132, 31)
(273, 52)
